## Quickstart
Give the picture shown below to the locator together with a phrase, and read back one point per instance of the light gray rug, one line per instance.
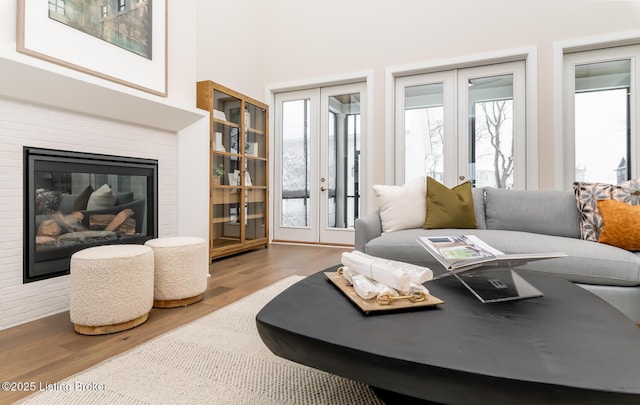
(217, 359)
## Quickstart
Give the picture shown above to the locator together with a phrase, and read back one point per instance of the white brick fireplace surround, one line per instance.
(24, 124)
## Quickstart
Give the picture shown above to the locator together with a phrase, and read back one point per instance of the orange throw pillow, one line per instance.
(621, 224)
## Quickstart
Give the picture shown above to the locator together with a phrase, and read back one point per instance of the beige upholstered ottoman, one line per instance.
(111, 288)
(181, 269)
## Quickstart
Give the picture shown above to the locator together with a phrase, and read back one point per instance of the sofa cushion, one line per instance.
(402, 207)
(587, 262)
(124, 198)
(620, 224)
(544, 212)
(66, 203)
(478, 206)
(449, 208)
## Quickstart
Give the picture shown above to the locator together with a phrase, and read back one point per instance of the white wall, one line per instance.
(301, 40)
(46, 105)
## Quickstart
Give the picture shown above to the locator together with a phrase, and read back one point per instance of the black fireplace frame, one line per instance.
(43, 265)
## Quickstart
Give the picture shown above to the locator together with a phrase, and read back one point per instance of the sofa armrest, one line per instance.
(367, 228)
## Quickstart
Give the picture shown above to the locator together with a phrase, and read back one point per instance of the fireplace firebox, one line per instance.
(75, 200)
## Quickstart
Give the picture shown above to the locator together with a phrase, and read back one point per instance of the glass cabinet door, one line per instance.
(226, 195)
(255, 171)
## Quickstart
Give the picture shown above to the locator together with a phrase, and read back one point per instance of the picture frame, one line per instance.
(58, 42)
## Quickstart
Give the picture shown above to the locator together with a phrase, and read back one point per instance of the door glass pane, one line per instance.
(343, 172)
(295, 163)
(491, 126)
(602, 122)
(423, 135)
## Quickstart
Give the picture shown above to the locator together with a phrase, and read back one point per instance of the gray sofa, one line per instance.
(515, 221)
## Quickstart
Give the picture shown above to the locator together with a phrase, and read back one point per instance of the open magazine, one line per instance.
(464, 252)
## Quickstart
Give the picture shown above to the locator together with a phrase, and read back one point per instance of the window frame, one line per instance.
(527, 54)
(571, 58)
(456, 166)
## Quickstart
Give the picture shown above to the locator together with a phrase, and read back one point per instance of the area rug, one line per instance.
(216, 359)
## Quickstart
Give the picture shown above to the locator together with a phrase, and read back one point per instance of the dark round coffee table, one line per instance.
(568, 346)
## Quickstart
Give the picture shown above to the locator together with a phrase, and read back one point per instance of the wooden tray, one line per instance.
(372, 304)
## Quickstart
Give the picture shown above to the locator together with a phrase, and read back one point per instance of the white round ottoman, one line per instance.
(181, 269)
(111, 288)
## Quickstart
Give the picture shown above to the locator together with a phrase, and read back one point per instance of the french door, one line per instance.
(317, 172)
(463, 124)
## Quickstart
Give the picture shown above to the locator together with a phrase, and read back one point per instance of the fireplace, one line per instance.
(75, 200)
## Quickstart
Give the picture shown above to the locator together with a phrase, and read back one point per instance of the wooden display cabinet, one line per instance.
(239, 169)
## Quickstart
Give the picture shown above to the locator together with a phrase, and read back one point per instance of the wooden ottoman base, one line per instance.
(106, 329)
(177, 303)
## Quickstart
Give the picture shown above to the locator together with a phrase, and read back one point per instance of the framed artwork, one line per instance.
(124, 41)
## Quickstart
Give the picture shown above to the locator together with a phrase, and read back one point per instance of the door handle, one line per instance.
(323, 188)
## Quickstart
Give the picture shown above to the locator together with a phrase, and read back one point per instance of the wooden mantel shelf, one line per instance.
(51, 86)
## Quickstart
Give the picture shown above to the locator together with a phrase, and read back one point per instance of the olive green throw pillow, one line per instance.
(449, 208)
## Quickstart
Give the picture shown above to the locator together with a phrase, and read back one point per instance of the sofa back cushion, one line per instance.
(544, 212)
(478, 207)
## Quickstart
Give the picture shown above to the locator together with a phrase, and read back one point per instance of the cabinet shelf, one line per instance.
(222, 153)
(256, 131)
(228, 123)
(251, 157)
(238, 214)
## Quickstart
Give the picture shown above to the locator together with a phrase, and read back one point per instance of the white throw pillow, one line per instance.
(402, 207)
(101, 198)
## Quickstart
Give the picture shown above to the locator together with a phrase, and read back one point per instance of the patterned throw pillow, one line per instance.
(46, 202)
(587, 195)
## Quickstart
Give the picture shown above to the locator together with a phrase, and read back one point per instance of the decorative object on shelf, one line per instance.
(218, 172)
(234, 178)
(247, 179)
(136, 58)
(233, 215)
(247, 119)
(252, 149)
(218, 143)
(235, 138)
(219, 115)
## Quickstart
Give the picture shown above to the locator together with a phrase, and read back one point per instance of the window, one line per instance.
(463, 124)
(599, 99)
(491, 101)
(121, 5)
(424, 131)
(56, 6)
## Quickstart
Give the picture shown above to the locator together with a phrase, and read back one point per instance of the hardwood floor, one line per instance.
(48, 350)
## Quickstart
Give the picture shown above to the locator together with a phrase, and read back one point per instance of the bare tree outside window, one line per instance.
(494, 143)
(435, 140)
(424, 142)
